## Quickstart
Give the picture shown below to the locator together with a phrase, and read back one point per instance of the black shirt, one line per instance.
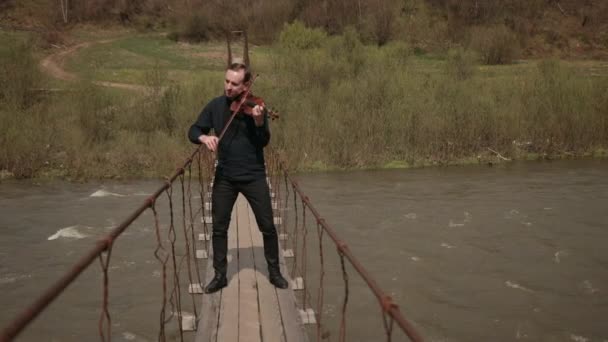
(241, 150)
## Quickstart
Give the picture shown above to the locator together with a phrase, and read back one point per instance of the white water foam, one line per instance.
(519, 334)
(452, 224)
(557, 256)
(128, 336)
(517, 286)
(467, 218)
(410, 216)
(588, 287)
(11, 278)
(70, 232)
(104, 193)
(446, 245)
(511, 214)
(578, 338)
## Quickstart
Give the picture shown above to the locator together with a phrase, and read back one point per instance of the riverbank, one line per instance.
(487, 159)
(344, 105)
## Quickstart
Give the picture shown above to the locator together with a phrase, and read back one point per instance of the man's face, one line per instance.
(233, 83)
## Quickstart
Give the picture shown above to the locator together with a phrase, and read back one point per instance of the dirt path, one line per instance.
(54, 63)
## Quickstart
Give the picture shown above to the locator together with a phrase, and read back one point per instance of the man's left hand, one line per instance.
(258, 115)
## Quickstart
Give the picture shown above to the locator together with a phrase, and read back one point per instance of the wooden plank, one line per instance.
(210, 310)
(188, 323)
(228, 328)
(201, 253)
(224, 314)
(270, 315)
(290, 314)
(249, 320)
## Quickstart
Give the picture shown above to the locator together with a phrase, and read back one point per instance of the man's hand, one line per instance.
(257, 113)
(210, 141)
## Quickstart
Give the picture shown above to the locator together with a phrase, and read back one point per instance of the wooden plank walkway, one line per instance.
(249, 308)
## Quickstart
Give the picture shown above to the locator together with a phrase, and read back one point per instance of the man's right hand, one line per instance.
(210, 141)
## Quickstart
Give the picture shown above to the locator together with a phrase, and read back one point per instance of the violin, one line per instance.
(246, 106)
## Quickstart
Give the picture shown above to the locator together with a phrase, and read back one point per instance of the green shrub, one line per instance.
(166, 106)
(19, 75)
(25, 142)
(460, 63)
(495, 44)
(95, 114)
(418, 51)
(197, 28)
(347, 51)
(173, 35)
(564, 110)
(308, 68)
(398, 52)
(297, 36)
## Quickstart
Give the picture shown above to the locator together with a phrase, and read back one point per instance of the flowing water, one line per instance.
(515, 252)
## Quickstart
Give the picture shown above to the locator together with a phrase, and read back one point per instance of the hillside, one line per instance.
(442, 84)
(534, 28)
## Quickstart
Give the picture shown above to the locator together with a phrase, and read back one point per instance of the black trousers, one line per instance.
(257, 194)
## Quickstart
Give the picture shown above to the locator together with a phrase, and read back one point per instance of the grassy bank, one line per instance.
(394, 109)
(343, 105)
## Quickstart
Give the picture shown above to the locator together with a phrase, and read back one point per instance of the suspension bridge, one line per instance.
(249, 308)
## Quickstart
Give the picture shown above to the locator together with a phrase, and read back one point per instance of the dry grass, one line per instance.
(343, 105)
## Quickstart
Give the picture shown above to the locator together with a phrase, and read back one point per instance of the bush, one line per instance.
(297, 36)
(26, 139)
(348, 51)
(95, 114)
(173, 35)
(460, 64)
(398, 52)
(19, 75)
(309, 68)
(564, 111)
(197, 28)
(495, 44)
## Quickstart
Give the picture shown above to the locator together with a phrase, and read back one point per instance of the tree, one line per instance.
(65, 4)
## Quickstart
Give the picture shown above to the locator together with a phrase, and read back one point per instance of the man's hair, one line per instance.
(239, 67)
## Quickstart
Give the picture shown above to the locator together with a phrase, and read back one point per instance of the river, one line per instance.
(477, 253)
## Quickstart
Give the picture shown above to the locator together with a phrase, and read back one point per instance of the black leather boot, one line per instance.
(218, 282)
(276, 279)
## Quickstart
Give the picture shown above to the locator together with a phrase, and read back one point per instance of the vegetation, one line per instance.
(397, 107)
(355, 91)
(529, 27)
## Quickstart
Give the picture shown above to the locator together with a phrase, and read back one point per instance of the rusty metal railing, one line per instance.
(280, 179)
(103, 247)
(390, 310)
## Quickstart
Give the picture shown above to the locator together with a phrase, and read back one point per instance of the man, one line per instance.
(240, 168)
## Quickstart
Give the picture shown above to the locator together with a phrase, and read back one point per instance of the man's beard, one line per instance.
(234, 95)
